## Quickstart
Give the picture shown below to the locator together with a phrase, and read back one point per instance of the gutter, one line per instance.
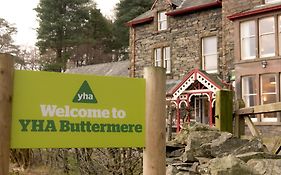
(217, 3)
(253, 12)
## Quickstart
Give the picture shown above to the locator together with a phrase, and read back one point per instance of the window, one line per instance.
(268, 95)
(260, 43)
(162, 58)
(267, 37)
(248, 40)
(279, 30)
(167, 59)
(265, 92)
(158, 57)
(209, 54)
(271, 1)
(162, 20)
(249, 91)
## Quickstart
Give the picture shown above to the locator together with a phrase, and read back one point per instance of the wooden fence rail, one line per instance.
(242, 116)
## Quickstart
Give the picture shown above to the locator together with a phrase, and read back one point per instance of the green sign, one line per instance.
(55, 110)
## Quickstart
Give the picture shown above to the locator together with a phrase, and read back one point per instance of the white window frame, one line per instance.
(162, 58)
(246, 96)
(157, 57)
(167, 59)
(266, 34)
(279, 33)
(162, 22)
(214, 53)
(242, 38)
(263, 119)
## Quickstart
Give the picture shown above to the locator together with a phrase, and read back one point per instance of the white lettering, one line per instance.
(67, 111)
(48, 110)
(80, 96)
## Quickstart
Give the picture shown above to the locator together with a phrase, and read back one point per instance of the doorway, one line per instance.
(201, 109)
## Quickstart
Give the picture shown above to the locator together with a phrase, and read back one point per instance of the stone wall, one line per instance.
(183, 36)
(230, 7)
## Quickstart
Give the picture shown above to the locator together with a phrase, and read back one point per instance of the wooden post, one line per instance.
(6, 89)
(239, 122)
(154, 155)
(224, 110)
(169, 123)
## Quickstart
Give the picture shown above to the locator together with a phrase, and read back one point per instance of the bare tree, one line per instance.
(7, 45)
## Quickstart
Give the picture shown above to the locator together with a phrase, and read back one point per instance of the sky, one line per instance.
(21, 14)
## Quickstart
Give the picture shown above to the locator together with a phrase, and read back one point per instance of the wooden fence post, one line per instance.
(224, 110)
(154, 155)
(6, 90)
(239, 122)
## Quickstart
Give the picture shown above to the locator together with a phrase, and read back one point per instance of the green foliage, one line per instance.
(126, 11)
(70, 29)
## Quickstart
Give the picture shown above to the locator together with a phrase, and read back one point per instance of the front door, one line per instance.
(201, 109)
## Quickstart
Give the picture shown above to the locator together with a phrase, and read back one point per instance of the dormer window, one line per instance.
(162, 20)
(271, 1)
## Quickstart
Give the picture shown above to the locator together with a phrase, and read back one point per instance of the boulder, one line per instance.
(188, 156)
(226, 145)
(254, 145)
(266, 166)
(228, 165)
(198, 138)
(176, 153)
(182, 136)
(171, 170)
(257, 155)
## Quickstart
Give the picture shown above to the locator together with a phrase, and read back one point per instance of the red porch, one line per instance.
(194, 98)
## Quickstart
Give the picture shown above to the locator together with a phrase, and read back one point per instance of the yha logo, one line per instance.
(85, 94)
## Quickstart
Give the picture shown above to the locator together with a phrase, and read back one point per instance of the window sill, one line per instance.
(258, 60)
(162, 31)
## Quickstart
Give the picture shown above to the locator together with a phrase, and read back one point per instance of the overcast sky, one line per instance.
(21, 13)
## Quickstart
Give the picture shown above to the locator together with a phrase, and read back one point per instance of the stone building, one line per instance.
(206, 45)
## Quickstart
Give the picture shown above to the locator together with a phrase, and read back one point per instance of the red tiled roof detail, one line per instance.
(140, 21)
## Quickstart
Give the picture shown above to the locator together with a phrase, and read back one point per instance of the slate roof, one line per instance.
(177, 2)
(119, 68)
(193, 3)
(181, 5)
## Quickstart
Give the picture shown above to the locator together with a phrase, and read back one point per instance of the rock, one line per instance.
(266, 166)
(181, 136)
(174, 149)
(221, 139)
(198, 138)
(176, 153)
(174, 145)
(203, 160)
(186, 173)
(201, 127)
(220, 148)
(171, 170)
(229, 165)
(199, 149)
(188, 156)
(192, 127)
(254, 145)
(257, 155)
(170, 161)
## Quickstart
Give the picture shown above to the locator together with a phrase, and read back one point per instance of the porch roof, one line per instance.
(211, 82)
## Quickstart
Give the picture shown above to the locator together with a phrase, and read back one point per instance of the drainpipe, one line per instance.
(133, 60)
